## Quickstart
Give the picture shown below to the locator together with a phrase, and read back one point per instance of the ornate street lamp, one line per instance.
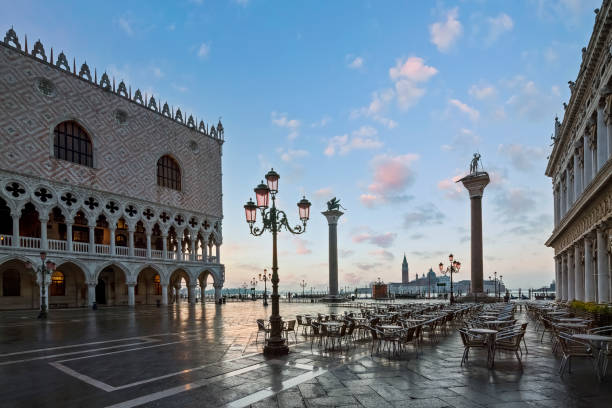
(274, 220)
(265, 277)
(453, 267)
(45, 268)
(303, 285)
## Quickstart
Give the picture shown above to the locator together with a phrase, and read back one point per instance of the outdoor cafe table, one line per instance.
(597, 340)
(497, 322)
(491, 334)
(571, 320)
(574, 326)
(557, 313)
(390, 327)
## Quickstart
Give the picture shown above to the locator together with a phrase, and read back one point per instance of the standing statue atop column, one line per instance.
(474, 163)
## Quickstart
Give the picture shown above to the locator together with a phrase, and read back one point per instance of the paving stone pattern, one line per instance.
(206, 356)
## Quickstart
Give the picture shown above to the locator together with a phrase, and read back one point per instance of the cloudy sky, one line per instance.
(381, 104)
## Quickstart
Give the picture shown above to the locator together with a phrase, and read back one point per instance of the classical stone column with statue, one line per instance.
(333, 214)
(475, 183)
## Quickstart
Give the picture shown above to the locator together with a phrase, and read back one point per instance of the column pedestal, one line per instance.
(164, 299)
(332, 219)
(91, 293)
(475, 183)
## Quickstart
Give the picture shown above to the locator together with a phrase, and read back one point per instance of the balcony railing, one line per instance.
(29, 242)
(82, 247)
(122, 251)
(56, 245)
(6, 240)
(102, 249)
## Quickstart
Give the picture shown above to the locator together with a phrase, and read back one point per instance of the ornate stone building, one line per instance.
(580, 167)
(122, 193)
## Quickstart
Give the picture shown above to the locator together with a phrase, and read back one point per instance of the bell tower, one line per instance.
(404, 270)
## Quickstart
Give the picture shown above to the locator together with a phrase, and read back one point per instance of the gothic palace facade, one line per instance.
(580, 167)
(123, 194)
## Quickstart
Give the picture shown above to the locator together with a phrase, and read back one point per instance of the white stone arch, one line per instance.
(132, 219)
(84, 124)
(182, 272)
(34, 260)
(126, 271)
(82, 266)
(204, 273)
(163, 275)
(106, 211)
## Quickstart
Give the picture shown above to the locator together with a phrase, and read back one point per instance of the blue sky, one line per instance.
(381, 104)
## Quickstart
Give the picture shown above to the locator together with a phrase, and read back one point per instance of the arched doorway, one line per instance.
(18, 288)
(148, 288)
(179, 280)
(101, 292)
(114, 281)
(205, 284)
(67, 288)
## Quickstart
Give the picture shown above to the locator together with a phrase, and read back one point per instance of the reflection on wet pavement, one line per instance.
(207, 356)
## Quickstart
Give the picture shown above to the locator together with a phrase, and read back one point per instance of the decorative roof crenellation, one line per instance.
(11, 40)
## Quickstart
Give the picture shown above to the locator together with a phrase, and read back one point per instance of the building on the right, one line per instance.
(580, 167)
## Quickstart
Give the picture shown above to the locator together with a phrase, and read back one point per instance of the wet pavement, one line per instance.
(206, 356)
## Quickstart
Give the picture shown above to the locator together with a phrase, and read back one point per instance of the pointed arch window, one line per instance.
(58, 284)
(72, 143)
(168, 173)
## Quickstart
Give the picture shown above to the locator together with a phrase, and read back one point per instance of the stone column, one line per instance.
(193, 255)
(564, 288)
(130, 240)
(218, 252)
(92, 239)
(571, 279)
(148, 243)
(475, 184)
(68, 236)
(202, 292)
(91, 293)
(578, 273)
(577, 176)
(177, 292)
(43, 233)
(602, 138)
(588, 160)
(564, 205)
(165, 246)
(164, 299)
(131, 297)
(16, 240)
(179, 244)
(558, 277)
(191, 293)
(332, 220)
(589, 278)
(603, 269)
(555, 205)
(112, 241)
(217, 291)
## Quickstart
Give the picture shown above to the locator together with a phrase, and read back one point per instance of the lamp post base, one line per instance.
(275, 348)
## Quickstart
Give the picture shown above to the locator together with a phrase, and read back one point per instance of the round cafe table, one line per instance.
(390, 327)
(570, 320)
(491, 334)
(598, 341)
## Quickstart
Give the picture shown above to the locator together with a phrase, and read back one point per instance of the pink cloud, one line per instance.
(381, 240)
(451, 188)
(391, 173)
(301, 248)
(413, 69)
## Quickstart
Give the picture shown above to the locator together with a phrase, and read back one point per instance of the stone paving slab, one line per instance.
(223, 365)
